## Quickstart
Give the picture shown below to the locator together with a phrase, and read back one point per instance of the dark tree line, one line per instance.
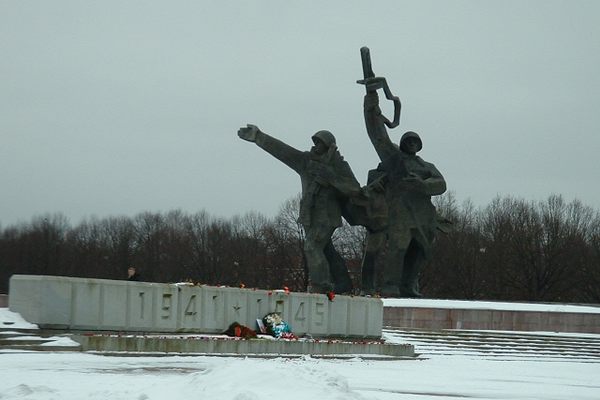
(510, 250)
(251, 249)
(515, 249)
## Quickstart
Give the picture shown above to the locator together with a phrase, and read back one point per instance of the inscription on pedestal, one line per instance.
(166, 305)
(100, 304)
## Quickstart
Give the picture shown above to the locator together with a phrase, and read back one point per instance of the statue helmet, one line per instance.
(410, 134)
(324, 136)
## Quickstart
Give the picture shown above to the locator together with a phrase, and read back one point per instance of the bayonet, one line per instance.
(365, 56)
(372, 83)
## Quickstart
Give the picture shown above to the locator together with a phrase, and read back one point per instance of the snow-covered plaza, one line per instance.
(451, 365)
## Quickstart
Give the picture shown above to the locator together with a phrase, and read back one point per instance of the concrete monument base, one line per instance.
(264, 348)
(55, 302)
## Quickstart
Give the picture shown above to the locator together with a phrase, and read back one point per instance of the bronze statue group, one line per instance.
(395, 205)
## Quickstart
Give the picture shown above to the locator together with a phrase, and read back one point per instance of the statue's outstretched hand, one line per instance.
(249, 132)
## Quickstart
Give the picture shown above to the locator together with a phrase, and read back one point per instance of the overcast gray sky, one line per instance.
(117, 107)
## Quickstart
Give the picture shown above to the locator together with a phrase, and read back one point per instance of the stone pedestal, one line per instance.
(56, 302)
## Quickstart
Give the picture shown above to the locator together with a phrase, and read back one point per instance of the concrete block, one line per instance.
(393, 316)
(339, 315)
(236, 307)
(374, 319)
(140, 306)
(43, 299)
(456, 319)
(502, 320)
(319, 315)
(357, 323)
(523, 320)
(99, 304)
(113, 312)
(475, 325)
(530, 327)
(591, 323)
(424, 313)
(484, 316)
(25, 297)
(257, 348)
(556, 322)
(411, 314)
(300, 306)
(86, 304)
(493, 319)
(574, 319)
(213, 308)
(189, 309)
(258, 306)
(441, 314)
(165, 307)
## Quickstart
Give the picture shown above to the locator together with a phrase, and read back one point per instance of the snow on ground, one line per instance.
(490, 305)
(75, 376)
(462, 374)
(12, 320)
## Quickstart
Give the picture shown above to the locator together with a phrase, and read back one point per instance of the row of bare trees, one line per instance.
(510, 250)
(251, 249)
(515, 249)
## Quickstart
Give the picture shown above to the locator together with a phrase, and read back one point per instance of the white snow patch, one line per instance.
(489, 305)
(61, 341)
(13, 320)
(75, 376)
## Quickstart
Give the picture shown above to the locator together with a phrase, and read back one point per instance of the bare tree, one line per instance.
(291, 233)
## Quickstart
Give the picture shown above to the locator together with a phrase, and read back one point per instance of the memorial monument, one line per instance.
(395, 205)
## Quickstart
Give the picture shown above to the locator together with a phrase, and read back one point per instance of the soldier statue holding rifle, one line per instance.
(406, 183)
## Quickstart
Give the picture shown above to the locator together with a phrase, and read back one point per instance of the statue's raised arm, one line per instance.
(407, 182)
(375, 121)
(372, 83)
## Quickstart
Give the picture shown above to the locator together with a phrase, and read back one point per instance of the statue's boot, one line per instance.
(410, 292)
(390, 291)
(368, 273)
(339, 273)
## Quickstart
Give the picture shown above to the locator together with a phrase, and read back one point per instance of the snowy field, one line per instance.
(437, 374)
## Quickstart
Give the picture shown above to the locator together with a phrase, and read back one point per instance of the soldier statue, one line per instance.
(406, 183)
(327, 181)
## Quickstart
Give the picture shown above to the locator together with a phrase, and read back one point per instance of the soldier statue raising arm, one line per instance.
(409, 184)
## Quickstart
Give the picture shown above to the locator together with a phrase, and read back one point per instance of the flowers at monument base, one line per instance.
(241, 331)
(277, 327)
